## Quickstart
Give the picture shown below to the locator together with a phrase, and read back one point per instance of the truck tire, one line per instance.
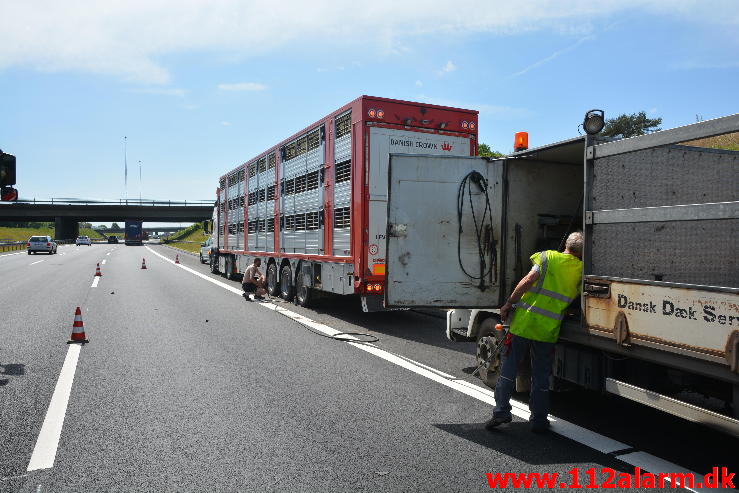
(303, 293)
(273, 286)
(487, 340)
(214, 264)
(287, 289)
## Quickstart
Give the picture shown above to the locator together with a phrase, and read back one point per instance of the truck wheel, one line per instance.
(303, 294)
(214, 264)
(287, 290)
(273, 287)
(487, 339)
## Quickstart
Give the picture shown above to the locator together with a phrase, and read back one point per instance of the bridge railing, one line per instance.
(127, 202)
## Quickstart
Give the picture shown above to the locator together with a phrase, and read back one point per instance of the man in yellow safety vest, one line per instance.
(540, 300)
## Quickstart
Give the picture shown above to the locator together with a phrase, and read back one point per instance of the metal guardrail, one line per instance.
(10, 246)
(127, 202)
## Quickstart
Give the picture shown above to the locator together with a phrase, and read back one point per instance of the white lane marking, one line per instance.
(95, 282)
(103, 262)
(107, 253)
(10, 254)
(569, 430)
(36, 262)
(44, 453)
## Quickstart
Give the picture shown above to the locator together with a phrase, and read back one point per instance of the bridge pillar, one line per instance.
(66, 228)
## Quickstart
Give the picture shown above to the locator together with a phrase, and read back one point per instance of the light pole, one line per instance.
(125, 168)
(139, 181)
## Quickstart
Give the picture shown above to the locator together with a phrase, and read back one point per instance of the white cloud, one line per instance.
(449, 67)
(131, 39)
(419, 83)
(225, 124)
(242, 86)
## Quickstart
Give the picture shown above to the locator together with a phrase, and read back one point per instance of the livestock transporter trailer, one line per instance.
(314, 206)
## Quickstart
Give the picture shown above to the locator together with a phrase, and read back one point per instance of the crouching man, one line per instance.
(253, 281)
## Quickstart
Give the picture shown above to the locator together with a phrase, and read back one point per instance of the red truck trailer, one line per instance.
(314, 206)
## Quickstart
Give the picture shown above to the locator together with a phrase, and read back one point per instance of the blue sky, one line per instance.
(199, 87)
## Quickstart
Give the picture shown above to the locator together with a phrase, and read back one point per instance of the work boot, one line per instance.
(496, 421)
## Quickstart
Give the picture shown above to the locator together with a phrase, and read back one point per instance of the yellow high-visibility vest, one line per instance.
(540, 311)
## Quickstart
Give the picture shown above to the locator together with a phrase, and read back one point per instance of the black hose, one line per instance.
(487, 214)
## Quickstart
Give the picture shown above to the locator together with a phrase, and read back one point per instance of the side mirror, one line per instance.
(203, 244)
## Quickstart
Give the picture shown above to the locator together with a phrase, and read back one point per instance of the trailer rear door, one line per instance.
(425, 267)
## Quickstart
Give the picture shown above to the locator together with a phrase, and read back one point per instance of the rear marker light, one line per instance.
(380, 114)
(472, 125)
(372, 113)
(369, 287)
(378, 287)
(464, 125)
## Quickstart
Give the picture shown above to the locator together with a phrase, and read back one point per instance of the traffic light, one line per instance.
(7, 177)
(7, 169)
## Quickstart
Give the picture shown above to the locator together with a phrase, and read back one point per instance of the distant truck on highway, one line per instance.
(658, 318)
(313, 207)
(134, 233)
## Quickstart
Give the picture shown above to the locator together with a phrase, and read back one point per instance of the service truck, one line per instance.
(658, 319)
(313, 207)
(134, 233)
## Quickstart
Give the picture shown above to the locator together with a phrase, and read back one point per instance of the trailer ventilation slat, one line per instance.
(344, 171)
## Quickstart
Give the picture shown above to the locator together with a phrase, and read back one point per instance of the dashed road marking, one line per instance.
(36, 262)
(103, 262)
(95, 282)
(574, 432)
(11, 254)
(44, 453)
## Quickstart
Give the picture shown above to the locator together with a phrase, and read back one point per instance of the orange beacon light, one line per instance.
(521, 141)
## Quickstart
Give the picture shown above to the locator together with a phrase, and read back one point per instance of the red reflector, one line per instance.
(48, 244)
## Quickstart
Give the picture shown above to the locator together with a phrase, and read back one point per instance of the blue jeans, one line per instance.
(542, 356)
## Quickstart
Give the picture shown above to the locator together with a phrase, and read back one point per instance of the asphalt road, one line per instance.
(185, 386)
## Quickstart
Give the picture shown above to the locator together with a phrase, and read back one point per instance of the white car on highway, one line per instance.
(41, 244)
(205, 251)
(83, 240)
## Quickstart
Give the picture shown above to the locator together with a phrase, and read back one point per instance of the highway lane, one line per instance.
(38, 294)
(187, 387)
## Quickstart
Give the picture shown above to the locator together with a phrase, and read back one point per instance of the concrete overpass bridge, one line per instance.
(67, 213)
(148, 229)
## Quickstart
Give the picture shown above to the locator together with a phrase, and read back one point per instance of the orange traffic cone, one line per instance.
(143, 263)
(78, 328)
(97, 271)
(177, 259)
